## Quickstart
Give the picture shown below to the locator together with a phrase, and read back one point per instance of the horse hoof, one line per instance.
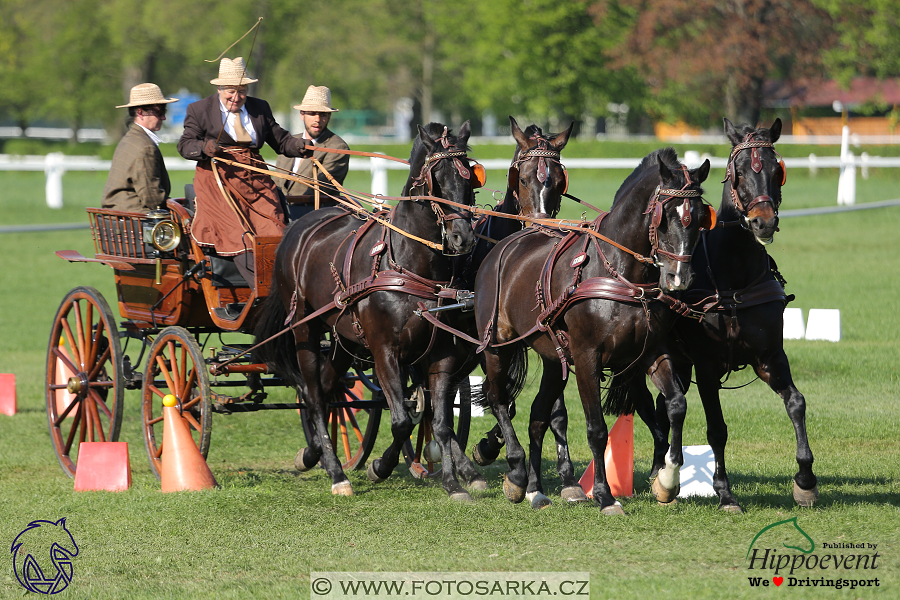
(663, 495)
(613, 510)
(370, 473)
(478, 485)
(461, 497)
(479, 458)
(299, 463)
(514, 493)
(342, 489)
(732, 508)
(538, 500)
(573, 494)
(805, 498)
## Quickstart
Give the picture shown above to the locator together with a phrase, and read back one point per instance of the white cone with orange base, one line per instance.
(183, 467)
(618, 459)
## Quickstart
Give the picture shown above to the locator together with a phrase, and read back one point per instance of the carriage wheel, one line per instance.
(414, 449)
(352, 431)
(85, 386)
(175, 366)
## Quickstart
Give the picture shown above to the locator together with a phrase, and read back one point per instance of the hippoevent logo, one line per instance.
(42, 556)
(800, 562)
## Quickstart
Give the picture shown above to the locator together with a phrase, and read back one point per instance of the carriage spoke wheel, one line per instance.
(352, 431)
(175, 366)
(414, 450)
(85, 386)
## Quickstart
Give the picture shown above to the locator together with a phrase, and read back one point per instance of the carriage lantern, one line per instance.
(161, 231)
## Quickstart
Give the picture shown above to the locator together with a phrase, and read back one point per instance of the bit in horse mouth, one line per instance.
(766, 241)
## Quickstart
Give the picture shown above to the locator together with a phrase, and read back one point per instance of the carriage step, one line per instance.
(229, 312)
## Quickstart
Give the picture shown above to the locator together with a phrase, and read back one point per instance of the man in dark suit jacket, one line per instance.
(138, 180)
(316, 112)
(230, 125)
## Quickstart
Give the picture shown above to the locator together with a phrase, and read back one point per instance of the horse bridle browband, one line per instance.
(542, 153)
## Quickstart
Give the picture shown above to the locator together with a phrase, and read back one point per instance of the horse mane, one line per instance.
(668, 155)
(434, 130)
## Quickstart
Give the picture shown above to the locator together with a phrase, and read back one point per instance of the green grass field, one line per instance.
(267, 527)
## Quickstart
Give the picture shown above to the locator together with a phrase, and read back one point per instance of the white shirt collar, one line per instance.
(152, 135)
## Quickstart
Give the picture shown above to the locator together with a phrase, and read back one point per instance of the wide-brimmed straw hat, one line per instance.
(317, 99)
(146, 94)
(232, 72)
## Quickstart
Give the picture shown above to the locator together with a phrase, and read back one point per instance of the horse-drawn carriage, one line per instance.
(184, 309)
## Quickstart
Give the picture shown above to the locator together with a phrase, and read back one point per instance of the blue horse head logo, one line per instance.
(42, 556)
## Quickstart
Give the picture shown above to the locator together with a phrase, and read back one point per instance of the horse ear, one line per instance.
(560, 141)
(426, 139)
(702, 172)
(664, 173)
(775, 131)
(517, 134)
(465, 130)
(731, 134)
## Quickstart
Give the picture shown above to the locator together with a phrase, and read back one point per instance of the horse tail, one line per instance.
(515, 383)
(279, 354)
(617, 401)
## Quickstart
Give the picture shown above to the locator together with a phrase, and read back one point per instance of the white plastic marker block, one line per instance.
(824, 324)
(477, 411)
(793, 324)
(697, 472)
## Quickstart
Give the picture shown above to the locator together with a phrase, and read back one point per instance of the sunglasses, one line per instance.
(158, 111)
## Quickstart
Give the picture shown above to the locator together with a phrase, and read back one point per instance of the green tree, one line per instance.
(869, 38)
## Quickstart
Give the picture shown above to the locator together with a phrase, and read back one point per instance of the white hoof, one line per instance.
(573, 494)
(461, 497)
(477, 485)
(538, 500)
(342, 489)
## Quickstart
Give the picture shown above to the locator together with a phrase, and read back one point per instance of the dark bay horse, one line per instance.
(598, 308)
(360, 280)
(741, 294)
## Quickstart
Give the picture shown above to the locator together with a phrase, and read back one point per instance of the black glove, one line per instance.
(209, 148)
(306, 152)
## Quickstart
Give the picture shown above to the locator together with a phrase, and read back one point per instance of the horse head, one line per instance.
(439, 157)
(677, 215)
(756, 173)
(537, 179)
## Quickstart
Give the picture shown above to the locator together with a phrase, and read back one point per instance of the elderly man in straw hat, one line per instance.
(315, 109)
(138, 180)
(231, 125)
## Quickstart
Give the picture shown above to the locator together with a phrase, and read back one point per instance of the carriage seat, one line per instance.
(223, 272)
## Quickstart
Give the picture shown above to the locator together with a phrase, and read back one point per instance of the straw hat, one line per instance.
(317, 99)
(232, 72)
(146, 94)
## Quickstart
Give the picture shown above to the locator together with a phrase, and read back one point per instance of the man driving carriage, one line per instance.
(138, 180)
(234, 203)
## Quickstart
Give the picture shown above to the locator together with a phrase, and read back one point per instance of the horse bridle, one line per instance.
(543, 153)
(424, 179)
(756, 165)
(657, 206)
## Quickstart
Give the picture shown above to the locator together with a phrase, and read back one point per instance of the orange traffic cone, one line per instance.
(183, 467)
(8, 394)
(63, 397)
(618, 459)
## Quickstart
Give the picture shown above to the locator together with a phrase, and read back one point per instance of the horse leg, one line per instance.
(717, 437)
(391, 380)
(587, 374)
(776, 372)
(668, 481)
(497, 367)
(658, 421)
(314, 370)
(441, 424)
(474, 480)
(539, 421)
(559, 425)
(488, 448)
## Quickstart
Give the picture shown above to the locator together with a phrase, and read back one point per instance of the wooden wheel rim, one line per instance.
(84, 383)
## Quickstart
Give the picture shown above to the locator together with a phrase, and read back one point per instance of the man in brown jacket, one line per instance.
(138, 180)
(315, 110)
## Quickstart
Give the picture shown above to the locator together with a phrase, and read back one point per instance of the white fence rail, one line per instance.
(55, 165)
